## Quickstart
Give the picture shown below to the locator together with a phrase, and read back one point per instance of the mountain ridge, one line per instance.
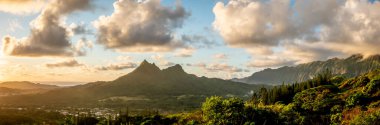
(167, 88)
(351, 66)
(26, 85)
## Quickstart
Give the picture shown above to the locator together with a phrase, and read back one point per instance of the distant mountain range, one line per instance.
(352, 66)
(23, 87)
(146, 86)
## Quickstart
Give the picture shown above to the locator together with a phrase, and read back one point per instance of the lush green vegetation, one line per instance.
(28, 116)
(326, 99)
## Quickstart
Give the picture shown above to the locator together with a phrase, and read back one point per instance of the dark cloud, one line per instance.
(48, 36)
(80, 29)
(68, 63)
(198, 41)
(119, 66)
(136, 26)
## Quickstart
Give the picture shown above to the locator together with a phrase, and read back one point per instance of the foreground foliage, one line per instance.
(326, 99)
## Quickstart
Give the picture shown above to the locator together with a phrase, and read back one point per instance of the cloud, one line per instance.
(82, 45)
(167, 63)
(219, 67)
(220, 56)
(124, 58)
(14, 25)
(22, 7)
(216, 67)
(117, 66)
(79, 29)
(186, 52)
(141, 26)
(198, 41)
(270, 62)
(202, 65)
(158, 57)
(49, 36)
(309, 29)
(67, 63)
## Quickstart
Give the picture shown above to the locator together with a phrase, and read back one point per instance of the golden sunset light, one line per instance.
(177, 62)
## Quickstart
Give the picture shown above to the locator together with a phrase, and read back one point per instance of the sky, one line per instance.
(100, 40)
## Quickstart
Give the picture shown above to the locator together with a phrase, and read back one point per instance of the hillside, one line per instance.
(324, 100)
(352, 66)
(146, 86)
(24, 85)
(8, 91)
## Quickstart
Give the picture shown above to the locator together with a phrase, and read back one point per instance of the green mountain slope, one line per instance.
(146, 86)
(352, 66)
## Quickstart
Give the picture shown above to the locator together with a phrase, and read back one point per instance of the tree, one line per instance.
(217, 110)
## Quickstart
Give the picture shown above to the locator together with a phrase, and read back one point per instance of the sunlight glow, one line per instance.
(2, 60)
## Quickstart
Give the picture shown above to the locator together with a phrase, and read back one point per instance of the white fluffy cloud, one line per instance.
(140, 26)
(49, 36)
(300, 32)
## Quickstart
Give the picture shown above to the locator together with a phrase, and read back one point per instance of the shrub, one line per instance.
(336, 108)
(318, 99)
(337, 79)
(362, 81)
(372, 86)
(356, 99)
(217, 110)
(336, 119)
(367, 119)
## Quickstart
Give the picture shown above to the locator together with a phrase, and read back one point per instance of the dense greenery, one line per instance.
(326, 99)
(28, 116)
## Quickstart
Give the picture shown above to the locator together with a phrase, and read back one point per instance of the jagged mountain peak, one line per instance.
(176, 69)
(146, 67)
(355, 57)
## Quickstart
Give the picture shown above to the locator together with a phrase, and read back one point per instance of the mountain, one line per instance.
(8, 91)
(146, 86)
(23, 87)
(349, 67)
